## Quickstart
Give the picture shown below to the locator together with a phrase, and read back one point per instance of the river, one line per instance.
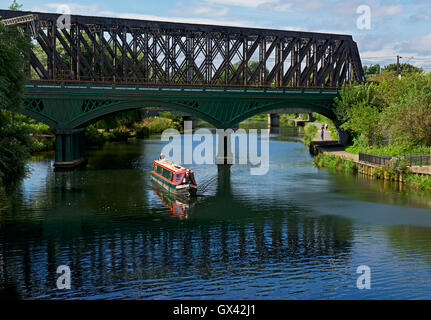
(297, 232)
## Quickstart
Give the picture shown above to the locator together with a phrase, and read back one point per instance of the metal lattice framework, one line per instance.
(123, 50)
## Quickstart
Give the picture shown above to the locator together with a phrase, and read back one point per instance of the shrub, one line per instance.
(142, 132)
(94, 137)
(310, 131)
(158, 124)
(120, 134)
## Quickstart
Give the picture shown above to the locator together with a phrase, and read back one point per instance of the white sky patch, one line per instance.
(208, 21)
(75, 8)
(418, 44)
(243, 3)
(210, 12)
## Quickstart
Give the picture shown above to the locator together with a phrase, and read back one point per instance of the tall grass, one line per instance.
(310, 131)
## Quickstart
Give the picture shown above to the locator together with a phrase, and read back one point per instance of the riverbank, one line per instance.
(330, 154)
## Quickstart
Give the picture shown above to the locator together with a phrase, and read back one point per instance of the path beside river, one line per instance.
(328, 145)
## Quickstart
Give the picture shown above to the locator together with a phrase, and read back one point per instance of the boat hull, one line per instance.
(185, 190)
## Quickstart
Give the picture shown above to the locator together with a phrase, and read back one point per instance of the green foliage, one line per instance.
(169, 115)
(126, 119)
(158, 124)
(94, 137)
(260, 117)
(397, 166)
(422, 183)
(15, 142)
(392, 117)
(362, 95)
(120, 134)
(335, 163)
(331, 125)
(405, 68)
(372, 69)
(310, 131)
(15, 6)
(46, 144)
(409, 118)
(142, 132)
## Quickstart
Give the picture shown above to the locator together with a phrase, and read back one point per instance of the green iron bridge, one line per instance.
(91, 67)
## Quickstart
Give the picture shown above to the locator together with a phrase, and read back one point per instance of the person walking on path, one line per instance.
(326, 126)
(322, 132)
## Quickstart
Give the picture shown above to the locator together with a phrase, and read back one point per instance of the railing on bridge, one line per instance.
(103, 49)
(410, 159)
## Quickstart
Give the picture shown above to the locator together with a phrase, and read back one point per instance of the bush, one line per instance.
(46, 144)
(142, 132)
(93, 137)
(422, 183)
(158, 124)
(120, 134)
(291, 123)
(310, 131)
(332, 162)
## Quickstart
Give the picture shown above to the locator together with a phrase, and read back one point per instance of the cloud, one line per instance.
(210, 12)
(194, 20)
(74, 8)
(243, 3)
(419, 45)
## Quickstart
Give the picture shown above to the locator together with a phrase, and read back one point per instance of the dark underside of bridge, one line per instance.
(95, 66)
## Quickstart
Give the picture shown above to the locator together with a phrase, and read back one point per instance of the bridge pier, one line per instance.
(69, 149)
(343, 137)
(273, 120)
(311, 118)
(224, 155)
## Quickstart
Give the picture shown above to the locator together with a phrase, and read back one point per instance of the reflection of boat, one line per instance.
(180, 208)
(174, 178)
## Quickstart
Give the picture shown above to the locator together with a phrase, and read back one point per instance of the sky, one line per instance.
(392, 27)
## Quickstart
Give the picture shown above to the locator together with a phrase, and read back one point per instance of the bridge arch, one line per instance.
(200, 109)
(101, 113)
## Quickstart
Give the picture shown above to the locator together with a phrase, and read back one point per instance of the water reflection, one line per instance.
(180, 207)
(294, 233)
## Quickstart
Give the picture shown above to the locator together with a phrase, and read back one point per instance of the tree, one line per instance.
(405, 68)
(408, 119)
(372, 69)
(15, 143)
(358, 111)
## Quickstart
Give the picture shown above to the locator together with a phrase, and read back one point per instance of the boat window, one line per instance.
(179, 177)
(166, 173)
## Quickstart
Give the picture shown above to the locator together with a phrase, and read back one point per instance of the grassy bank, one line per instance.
(310, 131)
(397, 171)
(335, 163)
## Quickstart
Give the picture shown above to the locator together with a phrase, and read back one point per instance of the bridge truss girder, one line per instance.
(124, 50)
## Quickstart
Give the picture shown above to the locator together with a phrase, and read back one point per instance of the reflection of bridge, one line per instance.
(98, 66)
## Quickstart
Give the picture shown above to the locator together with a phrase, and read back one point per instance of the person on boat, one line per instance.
(186, 177)
(162, 156)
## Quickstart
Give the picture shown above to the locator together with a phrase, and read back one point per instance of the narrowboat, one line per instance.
(174, 178)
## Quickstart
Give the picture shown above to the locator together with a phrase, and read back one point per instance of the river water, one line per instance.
(297, 232)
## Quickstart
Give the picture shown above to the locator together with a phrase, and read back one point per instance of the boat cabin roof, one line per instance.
(168, 164)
